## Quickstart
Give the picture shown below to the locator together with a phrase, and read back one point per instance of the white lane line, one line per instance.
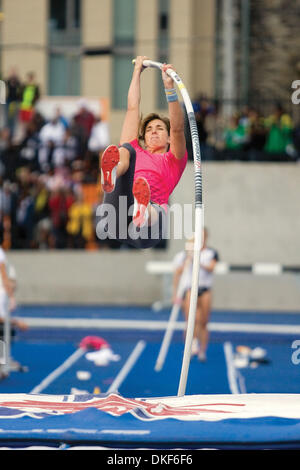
(127, 366)
(83, 323)
(242, 384)
(281, 329)
(59, 371)
(158, 325)
(231, 370)
(124, 431)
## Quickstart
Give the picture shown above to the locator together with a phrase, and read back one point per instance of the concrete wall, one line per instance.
(87, 278)
(120, 278)
(252, 212)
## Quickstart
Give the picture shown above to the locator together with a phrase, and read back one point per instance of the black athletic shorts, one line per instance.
(121, 199)
(201, 291)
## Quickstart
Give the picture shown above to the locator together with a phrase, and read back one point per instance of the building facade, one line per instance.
(234, 51)
(85, 47)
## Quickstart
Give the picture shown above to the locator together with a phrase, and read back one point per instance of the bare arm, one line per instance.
(131, 122)
(176, 278)
(5, 280)
(209, 267)
(178, 272)
(177, 137)
(8, 286)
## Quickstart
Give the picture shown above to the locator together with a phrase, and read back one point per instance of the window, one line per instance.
(124, 41)
(58, 15)
(77, 14)
(64, 75)
(122, 72)
(64, 15)
(163, 47)
(124, 22)
(64, 37)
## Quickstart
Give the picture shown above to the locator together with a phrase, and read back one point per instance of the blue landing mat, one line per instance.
(251, 421)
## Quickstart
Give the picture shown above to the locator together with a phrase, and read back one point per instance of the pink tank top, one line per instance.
(162, 171)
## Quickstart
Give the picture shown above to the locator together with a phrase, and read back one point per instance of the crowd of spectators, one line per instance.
(44, 167)
(247, 135)
(46, 163)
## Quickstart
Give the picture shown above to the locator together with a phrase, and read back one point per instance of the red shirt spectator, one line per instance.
(59, 204)
(84, 119)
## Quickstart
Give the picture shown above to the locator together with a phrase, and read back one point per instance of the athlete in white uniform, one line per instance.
(7, 292)
(183, 266)
(5, 288)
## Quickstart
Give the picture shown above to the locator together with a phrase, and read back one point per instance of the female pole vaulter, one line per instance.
(139, 176)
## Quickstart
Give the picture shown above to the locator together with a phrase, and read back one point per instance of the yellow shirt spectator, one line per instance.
(80, 220)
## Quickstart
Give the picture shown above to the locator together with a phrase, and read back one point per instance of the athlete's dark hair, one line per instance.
(150, 117)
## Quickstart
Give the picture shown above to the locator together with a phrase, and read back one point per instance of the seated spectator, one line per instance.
(38, 120)
(99, 138)
(90, 172)
(257, 137)
(30, 95)
(24, 178)
(80, 224)
(78, 176)
(61, 118)
(9, 194)
(13, 100)
(202, 132)
(25, 220)
(245, 117)
(5, 137)
(9, 155)
(41, 198)
(56, 178)
(235, 137)
(65, 152)
(201, 109)
(279, 127)
(70, 147)
(215, 125)
(43, 238)
(82, 124)
(29, 147)
(60, 202)
(5, 199)
(51, 138)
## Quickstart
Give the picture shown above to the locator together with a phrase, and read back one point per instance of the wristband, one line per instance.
(171, 94)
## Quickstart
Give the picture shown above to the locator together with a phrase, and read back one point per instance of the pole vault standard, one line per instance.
(199, 217)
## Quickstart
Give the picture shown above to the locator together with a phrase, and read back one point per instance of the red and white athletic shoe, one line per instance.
(142, 194)
(108, 166)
